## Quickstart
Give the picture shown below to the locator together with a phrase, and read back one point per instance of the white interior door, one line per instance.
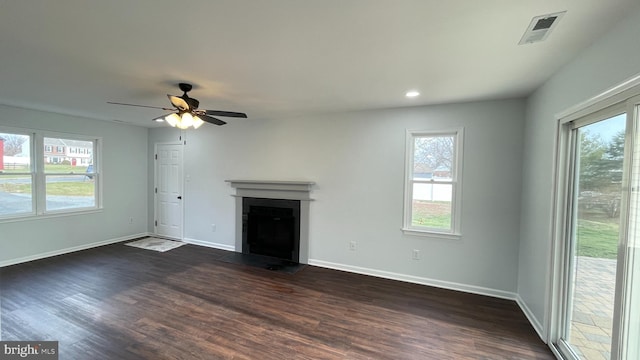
(168, 191)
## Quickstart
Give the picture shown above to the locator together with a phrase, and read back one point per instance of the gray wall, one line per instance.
(124, 164)
(357, 161)
(608, 62)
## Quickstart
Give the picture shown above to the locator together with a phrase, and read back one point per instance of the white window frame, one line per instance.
(38, 175)
(456, 182)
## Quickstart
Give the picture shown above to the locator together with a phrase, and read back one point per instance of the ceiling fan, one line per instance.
(186, 110)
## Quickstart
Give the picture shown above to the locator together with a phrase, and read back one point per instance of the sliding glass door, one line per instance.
(597, 300)
(594, 230)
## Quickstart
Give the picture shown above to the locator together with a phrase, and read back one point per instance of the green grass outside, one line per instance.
(85, 188)
(65, 169)
(16, 188)
(431, 214)
(597, 239)
(7, 173)
(48, 168)
(432, 221)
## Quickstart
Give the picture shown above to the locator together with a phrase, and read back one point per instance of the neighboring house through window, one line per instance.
(38, 178)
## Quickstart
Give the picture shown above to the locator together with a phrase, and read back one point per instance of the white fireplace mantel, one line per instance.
(275, 189)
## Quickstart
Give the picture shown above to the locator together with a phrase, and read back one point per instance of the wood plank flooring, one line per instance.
(120, 302)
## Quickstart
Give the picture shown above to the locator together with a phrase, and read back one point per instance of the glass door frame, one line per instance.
(627, 265)
(611, 103)
(571, 162)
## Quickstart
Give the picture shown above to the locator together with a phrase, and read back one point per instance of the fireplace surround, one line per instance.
(278, 204)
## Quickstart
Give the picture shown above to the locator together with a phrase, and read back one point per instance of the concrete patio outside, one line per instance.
(592, 315)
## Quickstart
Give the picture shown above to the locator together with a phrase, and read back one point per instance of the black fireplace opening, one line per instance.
(271, 227)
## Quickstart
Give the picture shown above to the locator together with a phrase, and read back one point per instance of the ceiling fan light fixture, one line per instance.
(172, 119)
(197, 122)
(183, 121)
(186, 113)
(186, 121)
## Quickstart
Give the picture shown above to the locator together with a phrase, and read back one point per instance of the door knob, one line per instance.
(179, 197)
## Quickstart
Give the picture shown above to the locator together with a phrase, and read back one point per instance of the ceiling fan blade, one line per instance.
(178, 102)
(144, 106)
(226, 113)
(211, 120)
(193, 103)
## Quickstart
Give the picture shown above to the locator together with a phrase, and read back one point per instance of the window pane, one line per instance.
(15, 153)
(15, 194)
(59, 157)
(431, 206)
(433, 157)
(15, 179)
(70, 191)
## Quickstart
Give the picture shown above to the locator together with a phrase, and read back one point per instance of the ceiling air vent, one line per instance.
(540, 27)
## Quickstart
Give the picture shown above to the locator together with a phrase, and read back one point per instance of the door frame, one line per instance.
(567, 212)
(155, 186)
(617, 97)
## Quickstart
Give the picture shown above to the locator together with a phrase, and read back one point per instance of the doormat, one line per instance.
(264, 262)
(155, 244)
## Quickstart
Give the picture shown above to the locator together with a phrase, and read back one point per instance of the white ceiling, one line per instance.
(282, 57)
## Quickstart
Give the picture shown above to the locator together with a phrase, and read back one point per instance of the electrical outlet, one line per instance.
(416, 254)
(213, 227)
(353, 245)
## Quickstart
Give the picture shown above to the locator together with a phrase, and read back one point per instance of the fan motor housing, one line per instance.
(185, 87)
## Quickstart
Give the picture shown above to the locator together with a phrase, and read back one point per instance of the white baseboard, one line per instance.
(416, 280)
(70, 250)
(210, 244)
(532, 319)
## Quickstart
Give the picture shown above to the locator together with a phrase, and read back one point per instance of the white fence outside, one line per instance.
(432, 192)
(15, 162)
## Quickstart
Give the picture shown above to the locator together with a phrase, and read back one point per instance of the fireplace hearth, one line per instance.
(272, 218)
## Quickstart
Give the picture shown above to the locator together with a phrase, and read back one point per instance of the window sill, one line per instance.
(49, 215)
(432, 234)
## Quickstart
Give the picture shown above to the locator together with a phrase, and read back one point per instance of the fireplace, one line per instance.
(272, 218)
(271, 227)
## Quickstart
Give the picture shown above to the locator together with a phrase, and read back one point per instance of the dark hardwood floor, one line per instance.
(120, 302)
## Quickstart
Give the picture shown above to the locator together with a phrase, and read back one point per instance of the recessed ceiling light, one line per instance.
(412, 93)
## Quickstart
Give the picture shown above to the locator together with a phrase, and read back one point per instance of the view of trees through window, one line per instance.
(433, 181)
(599, 189)
(595, 234)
